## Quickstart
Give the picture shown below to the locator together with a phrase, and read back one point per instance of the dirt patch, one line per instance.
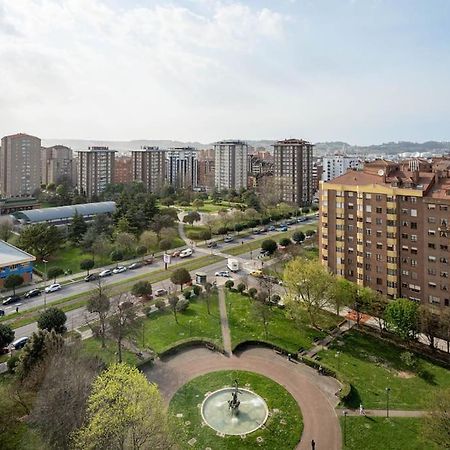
(406, 375)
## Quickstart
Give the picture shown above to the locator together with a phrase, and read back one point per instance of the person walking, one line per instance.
(313, 445)
(361, 410)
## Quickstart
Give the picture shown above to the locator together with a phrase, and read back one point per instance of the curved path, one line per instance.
(315, 394)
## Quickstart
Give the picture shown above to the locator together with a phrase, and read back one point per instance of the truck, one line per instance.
(233, 264)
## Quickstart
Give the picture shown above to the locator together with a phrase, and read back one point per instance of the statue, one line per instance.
(234, 403)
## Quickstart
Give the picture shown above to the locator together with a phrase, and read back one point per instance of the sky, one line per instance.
(360, 71)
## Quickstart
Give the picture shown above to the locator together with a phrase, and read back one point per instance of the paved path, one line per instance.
(382, 413)
(226, 336)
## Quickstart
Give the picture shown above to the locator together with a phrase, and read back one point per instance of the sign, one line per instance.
(166, 258)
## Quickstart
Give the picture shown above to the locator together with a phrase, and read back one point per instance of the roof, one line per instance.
(291, 142)
(64, 212)
(10, 255)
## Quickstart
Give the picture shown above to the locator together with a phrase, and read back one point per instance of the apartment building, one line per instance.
(336, 165)
(58, 164)
(386, 227)
(123, 169)
(182, 167)
(149, 167)
(205, 173)
(95, 170)
(293, 160)
(230, 165)
(20, 165)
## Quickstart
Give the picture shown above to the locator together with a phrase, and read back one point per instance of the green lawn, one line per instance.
(210, 207)
(161, 331)
(281, 330)
(371, 365)
(93, 347)
(283, 428)
(376, 433)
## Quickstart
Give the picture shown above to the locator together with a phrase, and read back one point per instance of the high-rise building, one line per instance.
(336, 165)
(123, 169)
(387, 227)
(230, 165)
(95, 170)
(149, 167)
(317, 171)
(20, 165)
(205, 177)
(293, 171)
(57, 165)
(181, 167)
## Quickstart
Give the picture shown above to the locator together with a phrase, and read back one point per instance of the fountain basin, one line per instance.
(253, 412)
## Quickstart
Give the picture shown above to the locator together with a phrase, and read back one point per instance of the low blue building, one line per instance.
(14, 261)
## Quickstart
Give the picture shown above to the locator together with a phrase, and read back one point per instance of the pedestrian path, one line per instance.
(226, 336)
(381, 412)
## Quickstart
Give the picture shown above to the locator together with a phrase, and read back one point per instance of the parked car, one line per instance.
(135, 265)
(20, 343)
(11, 299)
(148, 261)
(105, 273)
(187, 252)
(119, 269)
(223, 273)
(257, 231)
(257, 274)
(53, 288)
(91, 277)
(32, 293)
(160, 292)
(291, 221)
(176, 253)
(283, 228)
(271, 228)
(302, 219)
(228, 239)
(212, 244)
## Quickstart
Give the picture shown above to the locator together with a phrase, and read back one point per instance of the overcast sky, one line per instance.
(362, 71)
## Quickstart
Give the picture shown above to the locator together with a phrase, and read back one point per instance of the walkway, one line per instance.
(226, 335)
(382, 413)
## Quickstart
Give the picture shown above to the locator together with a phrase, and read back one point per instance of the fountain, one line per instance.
(244, 413)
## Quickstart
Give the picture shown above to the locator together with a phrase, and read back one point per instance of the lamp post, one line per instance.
(388, 390)
(345, 427)
(45, 282)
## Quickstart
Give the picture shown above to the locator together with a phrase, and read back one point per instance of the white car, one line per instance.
(223, 273)
(160, 292)
(53, 288)
(105, 273)
(185, 253)
(119, 269)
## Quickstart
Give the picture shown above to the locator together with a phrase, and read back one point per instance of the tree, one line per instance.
(444, 331)
(376, 307)
(308, 284)
(52, 319)
(343, 293)
(436, 424)
(198, 203)
(159, 222)
(54, 272)
(310, 232)
(298, 237)
(6, 335)
(229, 284)
(123, 226)
(99, 303)
(41, 239)
(269, 246)
(101, 246)
(142, 289)
(262, 312)
(402, 317)
(13, 281)
(124, 411)
(121, 323)
(125, 242)
(165, 244)
(305, 210)
(87, 264)
(252, 292)
(180, 276)
(191, 217)
(429, 324)
(77, 228)
(149, 239)
(6, 228)
(141, 250)
(168, 233)
(204, 235)
(240, 288)
(116, 256)
(285, 242)
(173, 303)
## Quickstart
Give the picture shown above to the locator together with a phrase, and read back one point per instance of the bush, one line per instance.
(276, 298)
(187, 294)
(298, 237)
(229, 284)
(314, 208)
(269, 246)
(252, 292)
(196, 289)
(239, 227)
(285, 242)
(310, 232)
(182, 305)
(184, 203)
(305, 210)
(52, 319)
(165, 244)
(12, 362)
(194, 235)
(204, 235)
(160, 304)
(240, 288)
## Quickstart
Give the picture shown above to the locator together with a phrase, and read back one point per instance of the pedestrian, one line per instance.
(361, 410)
(17, 309)
(320, 370)
(289, 356)
(313, 445)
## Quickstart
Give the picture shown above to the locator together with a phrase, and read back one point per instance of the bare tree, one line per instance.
(99, 304)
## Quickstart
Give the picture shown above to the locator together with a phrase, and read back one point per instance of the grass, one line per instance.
(283, 428)
(93, 347)
(374, 433)
(160, 331)
(371, 365)
(282, 331)
(210, 207)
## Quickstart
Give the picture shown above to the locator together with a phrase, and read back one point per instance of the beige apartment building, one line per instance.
(149, 167)
(230, 165)
(386, 227)
(57, 165)
(20, 165)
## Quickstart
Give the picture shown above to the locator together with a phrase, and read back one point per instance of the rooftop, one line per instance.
(10, 255)
(292, 142)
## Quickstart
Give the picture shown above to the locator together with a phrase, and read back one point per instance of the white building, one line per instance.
(336, 165)
(181, 167)
(230, 165)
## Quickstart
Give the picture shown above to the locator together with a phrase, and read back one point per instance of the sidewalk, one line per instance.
(381, 413)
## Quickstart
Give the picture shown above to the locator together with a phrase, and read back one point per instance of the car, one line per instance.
(264, 252)
(105, 273)
(119, 269)
(176, 253)
(271, 228)
(147, 261)
(20, 343)
(160, 292)
(11, 299)
(283, 228)
(32, 293)
(135, 265)
(257, 231)
(291, 221)
(187, 252)
(212, 244)
(53, 288)
(222, 273)
(91, 277)
(302, 219)
(228, 239)
(257, 274)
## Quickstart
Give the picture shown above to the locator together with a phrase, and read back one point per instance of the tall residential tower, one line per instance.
(230, 165)
(149, 167)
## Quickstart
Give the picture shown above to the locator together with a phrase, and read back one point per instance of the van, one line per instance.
(185, 253)
(233, 264)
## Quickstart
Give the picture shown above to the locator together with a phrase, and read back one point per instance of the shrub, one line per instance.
(239, 227)
(276, 298)
(196, 289)
(165, 244)
(314, 208)
(240, 287)
(252, 292)
(160, 304)
(229, 284)
(194, 235)
(12, 362)
(310, 232)
(298, 237)
(269, 246)
(187, 294)
(305, 210)
(184, 203)
(204, 235)
(182, 305)
(284, 242)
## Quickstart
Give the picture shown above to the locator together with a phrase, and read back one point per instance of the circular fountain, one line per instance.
(234, 411)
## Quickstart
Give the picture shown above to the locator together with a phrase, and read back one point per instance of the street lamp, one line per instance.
(388, 390)
(45, 281)
(345, 427)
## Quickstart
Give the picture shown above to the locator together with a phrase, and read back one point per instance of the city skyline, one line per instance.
(358, 71)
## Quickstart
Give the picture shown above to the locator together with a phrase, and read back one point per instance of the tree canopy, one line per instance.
(41, 240)
(180, 276)
(52, 319)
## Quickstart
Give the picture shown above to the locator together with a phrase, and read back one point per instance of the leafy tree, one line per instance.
(229, 284)
(99, 303)
(269, 246)
(222, 230)
(160, 304)
(262, 312)
(285, 242)
(173, 303)
(123, 226)
(402, 316)
(251, 200)
(6, 228)
(41, 239)
(101, 246)
(252, 292)
(77, 228)
(121, 323)
(240, 288)
(54, 272)
(13, 281)
(165, 244)
(159, 222)
(198, 203)
(142, 289)
(444, 329)
(191, 217)
(168, 233)
(6, 335)
(180, 276)
(52, 319)
(204, 235)
(308, 284)
(343, 293)
(429, 324)
(376, 307)
(134, 416)
(298, 237)
(116, 256)
(196, 289)
(149, 239)
(310, 232)
(141, 250)
(87, 264)
(305, 210)
(125, 242)
(436, 424)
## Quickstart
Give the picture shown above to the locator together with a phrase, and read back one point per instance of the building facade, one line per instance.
(293, 160)
(386, 227)
(58, 164)
(123, 169)
(336, 165)
(149, 167)
(95, 170)
(230, 165)
(182, 167)
(14, 261)
(205, 173)
(20, 165)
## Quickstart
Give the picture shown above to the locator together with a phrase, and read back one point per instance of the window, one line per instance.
(431, 284)
(379, 257)
(431, 245)
(368, 208)
(443, 207)
(431, 206)
(413, 225)
(434, 300)
(414, 237)
(431, 233)
(431, 271)
(379, 246)
(378, 221)
(379, 281)
(368, 196)
(379, 197)
(432, 259)
(404, 236)
(431, 219)
(379, 210)
(413, 212)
